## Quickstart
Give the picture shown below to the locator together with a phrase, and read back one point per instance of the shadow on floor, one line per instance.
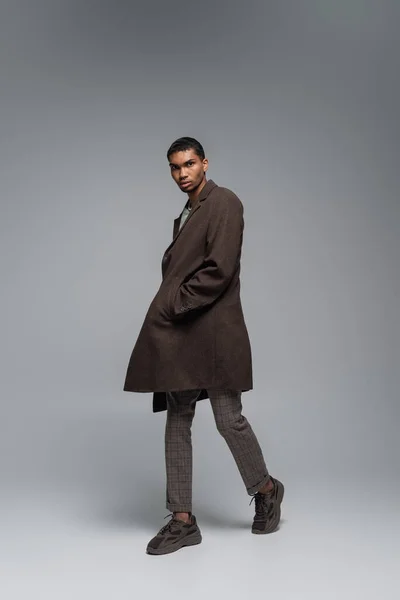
(114, 468)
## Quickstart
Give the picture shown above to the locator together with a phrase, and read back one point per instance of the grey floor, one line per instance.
(75, 522)
(60, 547)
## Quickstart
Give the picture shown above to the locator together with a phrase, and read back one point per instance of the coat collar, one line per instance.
(210, 185)
(206, 189)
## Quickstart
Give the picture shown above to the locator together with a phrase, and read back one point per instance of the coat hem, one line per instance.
(202, 387)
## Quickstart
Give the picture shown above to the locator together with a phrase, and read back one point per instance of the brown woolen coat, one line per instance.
(194, 336)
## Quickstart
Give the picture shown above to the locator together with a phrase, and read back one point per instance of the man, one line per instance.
(194, 345)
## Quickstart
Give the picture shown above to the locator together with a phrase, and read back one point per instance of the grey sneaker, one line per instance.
(268, 509)
(174, 535)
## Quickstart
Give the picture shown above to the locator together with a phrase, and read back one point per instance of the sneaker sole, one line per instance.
(190, 540)
(274, 524)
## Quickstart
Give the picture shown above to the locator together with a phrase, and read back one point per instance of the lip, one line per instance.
(185, 183)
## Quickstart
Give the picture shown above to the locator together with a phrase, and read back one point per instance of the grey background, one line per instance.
(296, 104)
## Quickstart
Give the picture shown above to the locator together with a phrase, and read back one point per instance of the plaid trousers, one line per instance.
(231, 424)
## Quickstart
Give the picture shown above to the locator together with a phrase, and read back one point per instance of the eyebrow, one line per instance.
(185, 163)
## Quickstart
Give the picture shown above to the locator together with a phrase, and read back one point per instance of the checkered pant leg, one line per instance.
(240, 437)
(231, 424)
(178, 450)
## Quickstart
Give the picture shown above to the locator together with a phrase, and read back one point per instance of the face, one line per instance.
(188, 169)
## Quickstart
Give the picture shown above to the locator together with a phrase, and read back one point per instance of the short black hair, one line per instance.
(186, 143)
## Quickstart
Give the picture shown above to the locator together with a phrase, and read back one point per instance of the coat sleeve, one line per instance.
(222, 258)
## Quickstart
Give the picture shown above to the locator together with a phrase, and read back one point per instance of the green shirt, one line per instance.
(185, 214)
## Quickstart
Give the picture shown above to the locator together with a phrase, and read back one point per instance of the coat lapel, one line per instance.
(203, 195)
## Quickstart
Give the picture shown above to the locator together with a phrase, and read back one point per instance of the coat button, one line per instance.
(185, 307)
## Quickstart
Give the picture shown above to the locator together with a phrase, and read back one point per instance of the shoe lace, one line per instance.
(262, 502)
(169, 525)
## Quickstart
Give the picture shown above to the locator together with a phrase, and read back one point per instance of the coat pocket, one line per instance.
(166, 298)
(171, 295)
